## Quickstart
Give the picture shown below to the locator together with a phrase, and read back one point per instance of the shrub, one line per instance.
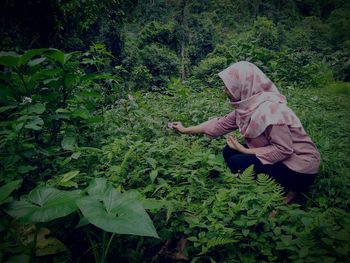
(301, 69)
(208, 69)
(161, 62)
(155, 32)
(201, 39)
(141, 77)
(264, 33)
(311, 34)
(239, 50)
(340, 87)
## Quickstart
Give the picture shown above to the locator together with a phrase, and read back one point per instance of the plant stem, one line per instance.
(106, 250)
(103, 246)
(33, 250)
(96, 255)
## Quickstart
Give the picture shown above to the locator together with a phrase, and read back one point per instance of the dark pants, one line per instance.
(289, 179)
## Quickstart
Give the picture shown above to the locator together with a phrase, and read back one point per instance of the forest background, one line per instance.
(86, 91)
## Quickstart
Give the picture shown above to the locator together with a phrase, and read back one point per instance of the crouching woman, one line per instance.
(275, 140)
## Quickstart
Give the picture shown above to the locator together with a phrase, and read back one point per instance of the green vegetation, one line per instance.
(91, 173)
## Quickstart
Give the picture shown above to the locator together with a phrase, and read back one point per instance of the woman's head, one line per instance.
(256, 99)
(243, 80)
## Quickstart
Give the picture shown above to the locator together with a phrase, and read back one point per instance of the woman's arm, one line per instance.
(188, 130)
(279, 149)
(235, 145)
(213, 128)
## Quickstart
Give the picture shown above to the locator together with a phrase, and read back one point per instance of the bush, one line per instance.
(264, 33)
(141, 77)
(311, 34)
(201, 39)
(208, 69)
(161, 62)
(239, 50)
(301, 69)
(339, 22)
(155, 32)
(339, 61)
(340, 87)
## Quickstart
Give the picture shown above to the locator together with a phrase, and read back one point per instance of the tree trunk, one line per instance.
(184, 40)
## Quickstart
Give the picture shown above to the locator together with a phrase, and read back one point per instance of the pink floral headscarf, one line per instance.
(256, 100)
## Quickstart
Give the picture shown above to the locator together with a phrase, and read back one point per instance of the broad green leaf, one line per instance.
(76, 155)
(44, 204)
(65, 180)
(68, 56)
(9, 59)
(22, 169)
(245, 232)
(5, 108)
(36, 61)
(152, 203)
(37, 108)
(69, 80)
(7, 189)
(52, 82)
(146, 203)
(153, 175)
(82, 222)
(117, 214)
(68, 143)
(55, 54)
(35, 124)
(97, 188)
(152, 162)
(81, 113)
(28, 55)
(132, 194)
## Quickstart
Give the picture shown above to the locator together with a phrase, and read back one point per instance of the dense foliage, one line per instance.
(90, 172)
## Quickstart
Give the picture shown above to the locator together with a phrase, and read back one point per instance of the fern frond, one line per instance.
(219, 241)
(247, 177)
(268, 184)
(306, 241)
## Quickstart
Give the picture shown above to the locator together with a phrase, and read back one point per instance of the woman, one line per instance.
(276, 142)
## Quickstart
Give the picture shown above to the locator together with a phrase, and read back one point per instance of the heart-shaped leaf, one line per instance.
(44, 204)
(117, 214)
(7, 189)
(97, 188)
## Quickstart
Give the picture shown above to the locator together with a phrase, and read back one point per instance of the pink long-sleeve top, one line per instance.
(277, 143)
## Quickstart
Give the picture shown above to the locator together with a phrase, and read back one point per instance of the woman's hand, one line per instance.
(179, 127)
(235, 145)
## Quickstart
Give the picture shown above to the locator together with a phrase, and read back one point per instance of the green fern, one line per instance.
(247, 177)
(268, 184)
(217, 241)
(306, 241)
